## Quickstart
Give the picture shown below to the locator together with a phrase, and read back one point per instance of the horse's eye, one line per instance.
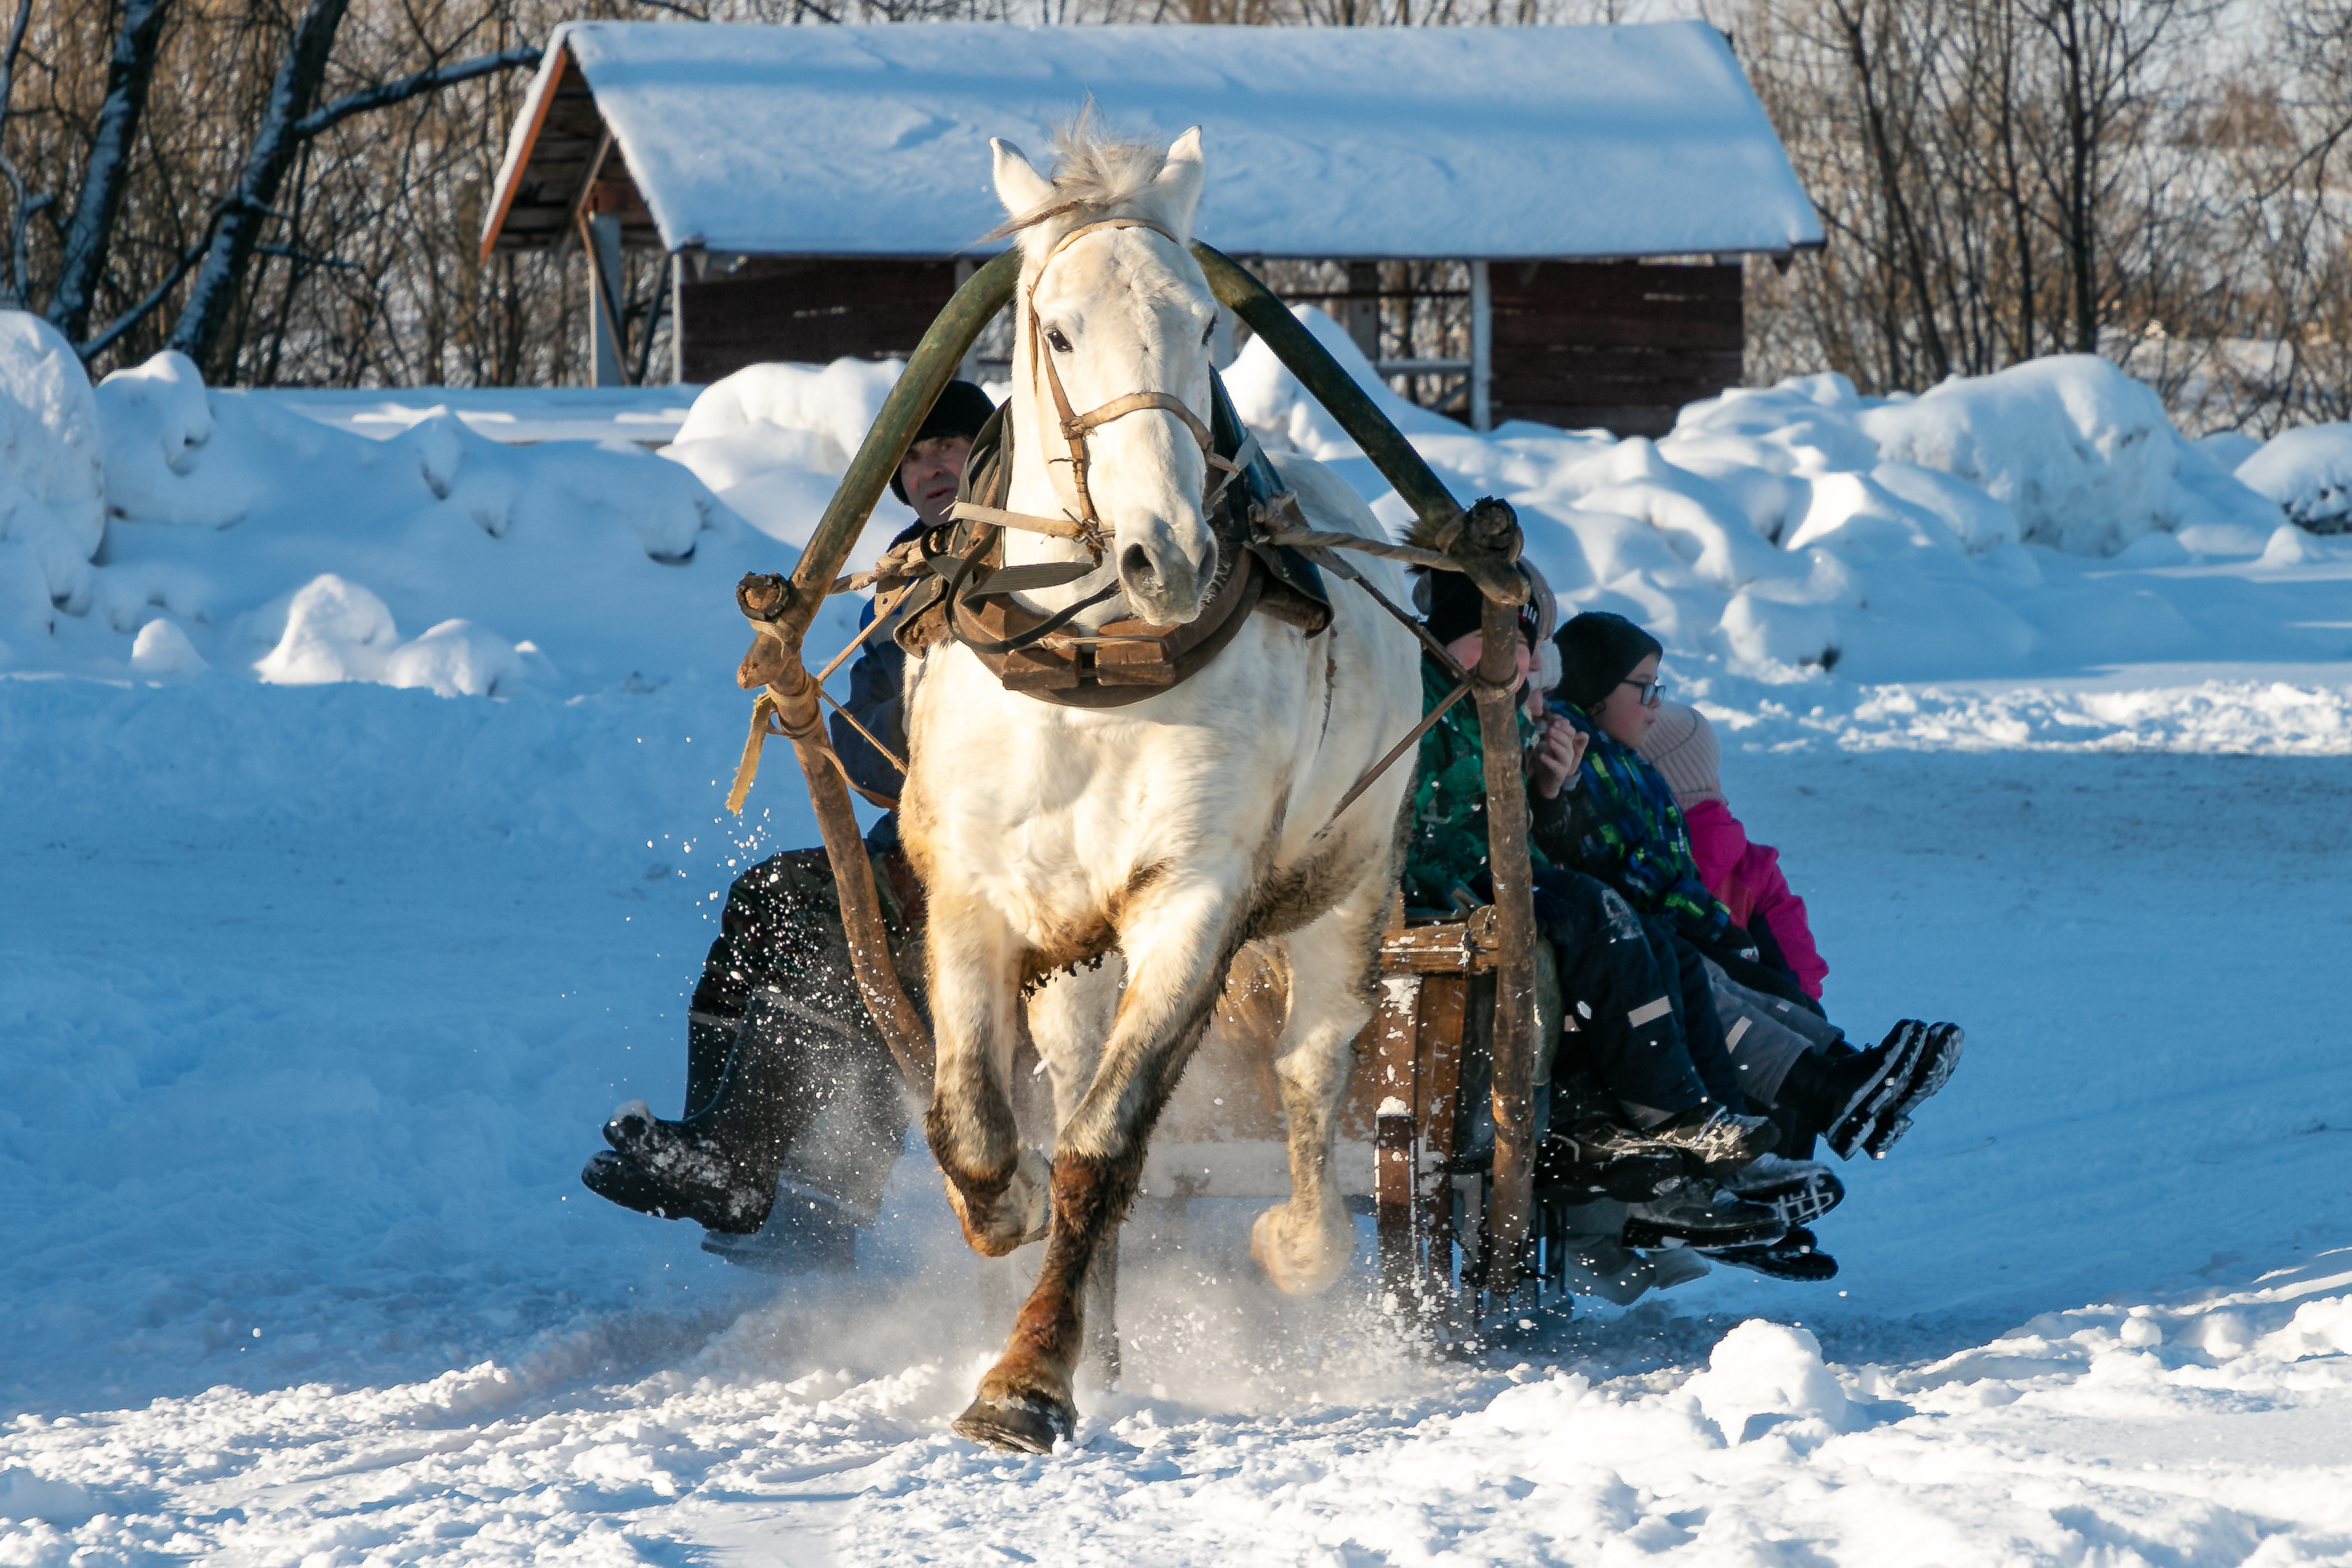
(1054, 336)
(1208, 331)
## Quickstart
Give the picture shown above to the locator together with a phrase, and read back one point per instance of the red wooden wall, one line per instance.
(1619, 345)
(811, 311)
(1615, 344)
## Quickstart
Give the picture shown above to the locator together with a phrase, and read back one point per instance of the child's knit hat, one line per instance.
(1681, 747)
(1597, 650)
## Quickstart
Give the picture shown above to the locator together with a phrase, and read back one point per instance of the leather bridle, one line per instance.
(1087, 527)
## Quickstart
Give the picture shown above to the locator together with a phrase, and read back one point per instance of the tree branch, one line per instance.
(146, 307)
(409, 87)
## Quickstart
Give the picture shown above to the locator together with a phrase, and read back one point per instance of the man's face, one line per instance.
(930, 474)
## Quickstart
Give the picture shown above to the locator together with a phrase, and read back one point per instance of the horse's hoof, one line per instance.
(1020, 1214)
(1293, 1275)
(1017, 1423)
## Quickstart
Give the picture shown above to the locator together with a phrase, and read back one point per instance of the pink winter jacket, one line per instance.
(1747, 878)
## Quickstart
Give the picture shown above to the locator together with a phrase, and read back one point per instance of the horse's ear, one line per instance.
(1019, 186)
(1176, 191)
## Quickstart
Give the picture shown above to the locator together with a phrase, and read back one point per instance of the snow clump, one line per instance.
(2308, 472)
(52, 498)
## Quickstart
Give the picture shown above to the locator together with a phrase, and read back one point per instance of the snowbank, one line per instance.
(2308, 472)
(2045, 519)
(52, 508)
(157, 529)
(773, 441)
(2041, 522)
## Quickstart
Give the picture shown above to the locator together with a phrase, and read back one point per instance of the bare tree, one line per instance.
(129, 75)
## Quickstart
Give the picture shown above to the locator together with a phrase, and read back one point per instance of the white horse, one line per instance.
(1104, 866)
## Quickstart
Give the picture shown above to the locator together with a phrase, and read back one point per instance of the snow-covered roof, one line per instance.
(1334, 143)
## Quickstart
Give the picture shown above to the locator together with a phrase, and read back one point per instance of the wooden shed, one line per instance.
(1587, 194)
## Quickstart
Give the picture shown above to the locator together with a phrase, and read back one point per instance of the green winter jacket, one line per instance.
(1617, 821)
(1448, 841)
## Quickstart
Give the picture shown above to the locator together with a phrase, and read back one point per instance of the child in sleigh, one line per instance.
(1623, 823)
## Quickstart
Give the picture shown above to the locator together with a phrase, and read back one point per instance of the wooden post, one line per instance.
(1363, 312)
(605, 350)
(1392, 1205)
(677, 265)
(1482, 349)
(1444, 1007)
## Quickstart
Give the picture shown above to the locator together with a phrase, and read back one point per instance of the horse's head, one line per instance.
(1112, 354)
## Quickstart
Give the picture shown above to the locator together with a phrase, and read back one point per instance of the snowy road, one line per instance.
(314, 998)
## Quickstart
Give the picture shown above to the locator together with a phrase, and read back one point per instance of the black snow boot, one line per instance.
(1801, 1190)
(1702, 1214)
(1932, 1072)
(1796, 1256)
(1709, 1140)
(1578, 1164)
(1848, 1099)
(619, 1180)
(719, 1165)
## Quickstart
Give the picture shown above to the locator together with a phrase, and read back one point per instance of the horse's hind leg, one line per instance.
(997, 1188)
(1332, 969)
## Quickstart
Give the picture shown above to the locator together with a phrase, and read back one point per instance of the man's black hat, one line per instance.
(961, 409)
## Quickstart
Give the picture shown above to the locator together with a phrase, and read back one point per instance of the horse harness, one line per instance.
(961, 589)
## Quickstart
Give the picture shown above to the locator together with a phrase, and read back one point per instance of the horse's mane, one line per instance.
(1096, 175)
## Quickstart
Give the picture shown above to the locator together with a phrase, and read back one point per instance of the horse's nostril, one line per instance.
(1133, 563)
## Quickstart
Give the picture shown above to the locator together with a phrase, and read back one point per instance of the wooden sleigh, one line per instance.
(1440, 1230)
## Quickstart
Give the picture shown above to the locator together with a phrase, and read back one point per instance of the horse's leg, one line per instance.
(997, 1188)
(1070, 1016)
(1177, 947)
(1333, 969)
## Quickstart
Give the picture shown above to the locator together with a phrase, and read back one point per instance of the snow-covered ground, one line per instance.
(314, 986)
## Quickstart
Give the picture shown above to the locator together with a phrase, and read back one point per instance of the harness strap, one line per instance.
(1074, 425)
(1028, 522)
(959, 606)
(1136, 403)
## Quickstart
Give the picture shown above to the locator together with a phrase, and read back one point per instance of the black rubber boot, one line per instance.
(1848, 1098)
(616, 1180)
(710, 1042)
(1797, 1257)
(1702, 1214)
(719, 1165)
(1932, 1069)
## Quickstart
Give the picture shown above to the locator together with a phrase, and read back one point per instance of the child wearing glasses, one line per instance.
(1616, 819)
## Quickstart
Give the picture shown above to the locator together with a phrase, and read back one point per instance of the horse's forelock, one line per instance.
(1095, 176)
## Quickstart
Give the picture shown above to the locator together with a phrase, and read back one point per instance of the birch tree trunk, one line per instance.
(291, 98)
(127, 75)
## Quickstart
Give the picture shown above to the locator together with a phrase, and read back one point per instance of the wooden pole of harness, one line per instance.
(780, 611)
(1366, 425)
(1491, 530)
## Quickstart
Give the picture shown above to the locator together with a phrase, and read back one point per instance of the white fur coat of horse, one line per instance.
(1156, 838)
